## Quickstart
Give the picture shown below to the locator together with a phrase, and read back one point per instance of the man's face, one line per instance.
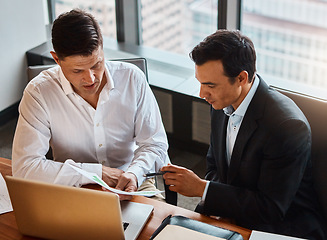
(216, 88)
(85, 73)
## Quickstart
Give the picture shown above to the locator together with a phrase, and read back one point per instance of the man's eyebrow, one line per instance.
(208, 83)
(98, 62)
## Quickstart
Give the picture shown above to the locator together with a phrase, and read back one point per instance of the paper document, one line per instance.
(180, 233)
(256, 235)
(95, 178)
(5, 204)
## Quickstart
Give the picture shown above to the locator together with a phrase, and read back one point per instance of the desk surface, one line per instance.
(8, 226)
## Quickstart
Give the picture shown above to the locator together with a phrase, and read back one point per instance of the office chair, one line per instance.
(315, 111)
(33, 71)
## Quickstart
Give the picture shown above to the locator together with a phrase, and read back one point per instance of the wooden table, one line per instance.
(9, 230)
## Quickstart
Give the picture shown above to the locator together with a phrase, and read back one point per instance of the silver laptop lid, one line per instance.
(60, 212)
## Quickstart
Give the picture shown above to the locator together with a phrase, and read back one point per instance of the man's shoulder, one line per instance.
(117, 65)
(45, 80)
(279, 108)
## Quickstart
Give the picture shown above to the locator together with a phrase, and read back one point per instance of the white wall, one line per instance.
(22, 27)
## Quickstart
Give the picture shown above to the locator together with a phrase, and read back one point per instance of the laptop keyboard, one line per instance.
(125, 225)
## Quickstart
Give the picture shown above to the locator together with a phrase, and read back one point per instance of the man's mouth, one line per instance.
(89, 86)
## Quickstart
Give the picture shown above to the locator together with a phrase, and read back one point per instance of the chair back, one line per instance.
(140, 62)
(315, 111)
(33, 71)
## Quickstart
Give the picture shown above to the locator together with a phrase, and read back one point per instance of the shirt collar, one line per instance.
(110, 83)
(66, 86)
(104, 94)
(241, 110)
(68, 89)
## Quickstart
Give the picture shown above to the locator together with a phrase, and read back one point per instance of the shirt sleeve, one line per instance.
(31, 144)
(205, 191)
(151, 153)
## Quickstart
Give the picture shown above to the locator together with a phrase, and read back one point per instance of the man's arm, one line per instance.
(183, 181)
(286, 155)
(31, 143)
(211, 174)
(150, 136)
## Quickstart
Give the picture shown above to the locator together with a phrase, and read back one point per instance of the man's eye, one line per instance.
(76, 71)
(96, 66)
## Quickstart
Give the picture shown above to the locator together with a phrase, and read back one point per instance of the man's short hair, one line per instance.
(235, 50)
(76, 33)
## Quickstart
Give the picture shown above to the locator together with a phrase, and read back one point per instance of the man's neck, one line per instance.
(93, 99)
(243, 95)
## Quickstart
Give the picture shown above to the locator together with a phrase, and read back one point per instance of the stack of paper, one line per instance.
(5, 204)
(256, 235)
(180, 233)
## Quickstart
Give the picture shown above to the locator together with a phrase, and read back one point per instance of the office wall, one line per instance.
(22, 26)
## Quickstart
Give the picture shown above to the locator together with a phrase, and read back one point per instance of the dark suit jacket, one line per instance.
(268, 185)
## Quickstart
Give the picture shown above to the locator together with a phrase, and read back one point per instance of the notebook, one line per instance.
(60, 212)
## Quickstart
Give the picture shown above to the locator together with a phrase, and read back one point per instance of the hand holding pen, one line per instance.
(183, 181)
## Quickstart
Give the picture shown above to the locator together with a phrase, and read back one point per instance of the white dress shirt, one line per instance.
(125, 131)
(234, 124)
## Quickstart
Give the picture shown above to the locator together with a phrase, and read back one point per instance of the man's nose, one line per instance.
(202, 93)
(89, 77)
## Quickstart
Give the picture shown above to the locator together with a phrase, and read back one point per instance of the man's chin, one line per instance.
(216, 107)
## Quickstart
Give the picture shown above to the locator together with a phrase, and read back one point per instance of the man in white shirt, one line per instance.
(99, 116)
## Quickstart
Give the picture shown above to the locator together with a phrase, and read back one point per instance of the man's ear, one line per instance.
(55, 57)
(243, 77)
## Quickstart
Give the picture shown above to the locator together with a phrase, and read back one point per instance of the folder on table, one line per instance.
(175, 226)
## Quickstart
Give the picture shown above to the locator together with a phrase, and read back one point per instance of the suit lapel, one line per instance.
(221, 160)
(248, 127)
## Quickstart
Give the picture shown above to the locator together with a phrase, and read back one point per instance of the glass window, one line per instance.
(291, 37)
(177, 25)
(103, 10)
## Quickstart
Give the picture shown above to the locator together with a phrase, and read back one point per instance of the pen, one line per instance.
(164, 223)
(155, 174)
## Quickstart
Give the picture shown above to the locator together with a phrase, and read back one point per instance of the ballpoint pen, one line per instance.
(162, 226)
(155, 174)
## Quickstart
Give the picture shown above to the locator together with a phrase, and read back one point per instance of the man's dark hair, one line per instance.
(76, 33)
(235, 50)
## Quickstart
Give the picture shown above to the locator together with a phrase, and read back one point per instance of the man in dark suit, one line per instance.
(258, 163)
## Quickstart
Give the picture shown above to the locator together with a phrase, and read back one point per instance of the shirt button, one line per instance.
(98, 124)
(100, 145)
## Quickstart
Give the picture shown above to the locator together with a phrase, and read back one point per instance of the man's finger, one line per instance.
(122, 182)
(125, 197)
(172, 168)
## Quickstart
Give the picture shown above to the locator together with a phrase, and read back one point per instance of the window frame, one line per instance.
(128, 11)
(128, 30)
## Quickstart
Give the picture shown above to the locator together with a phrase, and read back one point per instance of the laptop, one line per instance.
(60, 212)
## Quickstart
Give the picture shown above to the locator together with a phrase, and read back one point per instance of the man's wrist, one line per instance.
(135, 177)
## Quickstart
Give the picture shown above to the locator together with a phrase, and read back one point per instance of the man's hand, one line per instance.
(183, 181)
(111, 175)
(127, 182)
